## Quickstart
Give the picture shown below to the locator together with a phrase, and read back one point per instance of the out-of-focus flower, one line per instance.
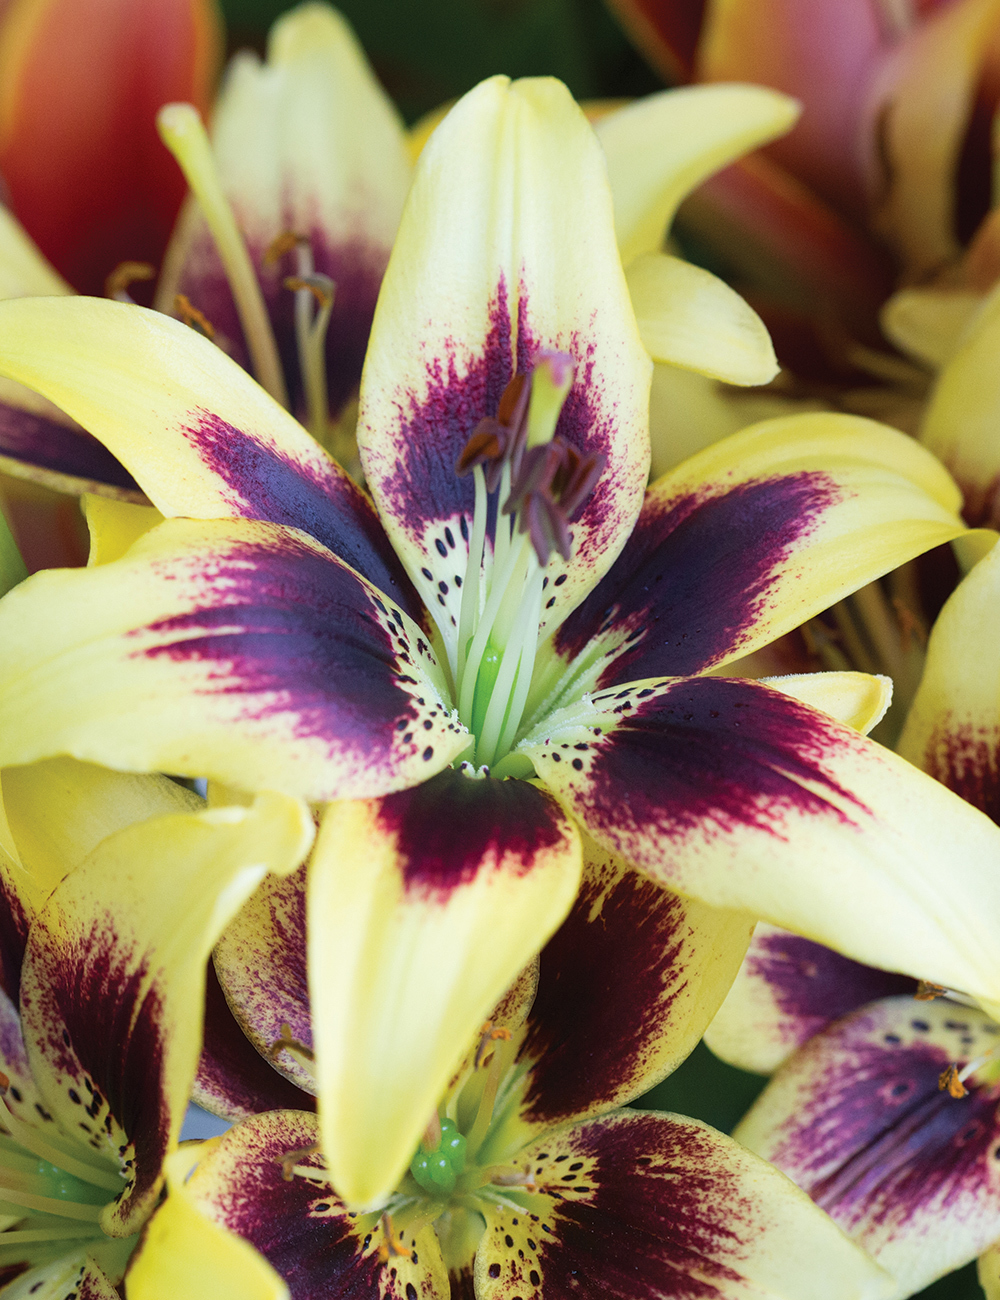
(886, 1110)
(529, 1173)
(544, 621)
(82, 82)
(115, 889)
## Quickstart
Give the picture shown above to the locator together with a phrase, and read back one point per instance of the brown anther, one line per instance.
(911, 628)
(190, 315)
(292, 1158)
(927, 992)
(391, 1244)
(320, 286)
(4, 1082)
(282, 244)
(552, 485)
(287, 1043)
(487, 1036)
(948, 1079)
(124, 274)
(499, 440)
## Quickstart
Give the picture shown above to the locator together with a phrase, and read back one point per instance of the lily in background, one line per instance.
(115, 888)
(885, 1109)
(530, 1175)
(535, 614)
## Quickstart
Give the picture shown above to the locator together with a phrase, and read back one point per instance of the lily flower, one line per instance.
(519, 606)
(531, 1176)
(885, 1109)
(102, 970)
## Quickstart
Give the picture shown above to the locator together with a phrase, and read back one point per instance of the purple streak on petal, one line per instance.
(233, 1079)
(450, 827)
(695, 575)
(100, 1024)
(812, 985)
(356, 267)
(874, 1139)
(278, 489)
(660, 1215)
(433, 431)
(300, 1226)
(607, 981)
(967, 760)
(50, 445)
(713, 755)
(297, 635)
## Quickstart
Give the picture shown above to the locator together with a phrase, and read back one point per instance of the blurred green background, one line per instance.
(427, 52)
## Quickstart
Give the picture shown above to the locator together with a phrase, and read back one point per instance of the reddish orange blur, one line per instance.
(80, 84)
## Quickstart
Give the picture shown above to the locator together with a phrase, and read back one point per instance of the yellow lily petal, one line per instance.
(491, 265)
(689, 317)
(184, 1253)
(24, 272)
(59, 810)
(73, 1274)
(953, 727)
(959, 425)
(115, 525)
(858, 699)
(988, 1272)
(117, 959)
(661, 147)
(929, 323)
(430, 902)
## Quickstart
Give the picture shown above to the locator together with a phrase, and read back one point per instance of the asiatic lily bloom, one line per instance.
(887, 1110)
(115, 889)
(518, 606)
(532, 1178)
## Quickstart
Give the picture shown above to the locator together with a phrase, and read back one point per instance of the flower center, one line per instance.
(60, 1189)
(534, 483)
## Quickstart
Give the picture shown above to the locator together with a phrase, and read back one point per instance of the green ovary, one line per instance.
(438, 1171)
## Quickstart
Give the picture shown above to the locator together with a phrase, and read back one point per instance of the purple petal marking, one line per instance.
(49, 445)
(695, 575)
(276, 488)
(812, 985)
(233, 1079)
(872, 1138)
(300, 1226)
(642, 1207)
(607, 983)
(710, 755)
(433, 430)
(297, 637)
(966, 759)
(261, 964)
(99, 1024)
(356, 267)
(450, 827)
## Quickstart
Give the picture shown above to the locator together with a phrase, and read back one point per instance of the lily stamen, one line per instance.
(391, 1244)
(314, 296)
(181, 130)
(285, 1042)
(191, 316)
(949, 1080)
(927, 992)
(487, 1036)
(126, 273)
(290, 1163)
(502, 1177)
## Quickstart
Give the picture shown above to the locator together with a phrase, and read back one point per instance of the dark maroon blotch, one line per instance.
(695, 574)
(51, 445)
(447, 826)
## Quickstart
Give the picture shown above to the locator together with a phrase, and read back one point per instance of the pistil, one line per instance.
(538, 482)
(181, 130)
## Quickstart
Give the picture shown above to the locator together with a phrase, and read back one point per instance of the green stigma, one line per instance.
(437, 1171)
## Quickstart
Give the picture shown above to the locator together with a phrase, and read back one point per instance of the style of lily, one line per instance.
(887, 1110)
(276, 633)
(532, 1178)
(115, 889)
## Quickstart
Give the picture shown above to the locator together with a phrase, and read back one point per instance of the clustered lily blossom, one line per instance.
(505, 678)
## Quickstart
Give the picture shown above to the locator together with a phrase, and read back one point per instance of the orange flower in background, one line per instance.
(80, 84)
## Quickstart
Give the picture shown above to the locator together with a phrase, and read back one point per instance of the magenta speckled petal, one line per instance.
(301, 1227)
(789, 989)
(857, 1119)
